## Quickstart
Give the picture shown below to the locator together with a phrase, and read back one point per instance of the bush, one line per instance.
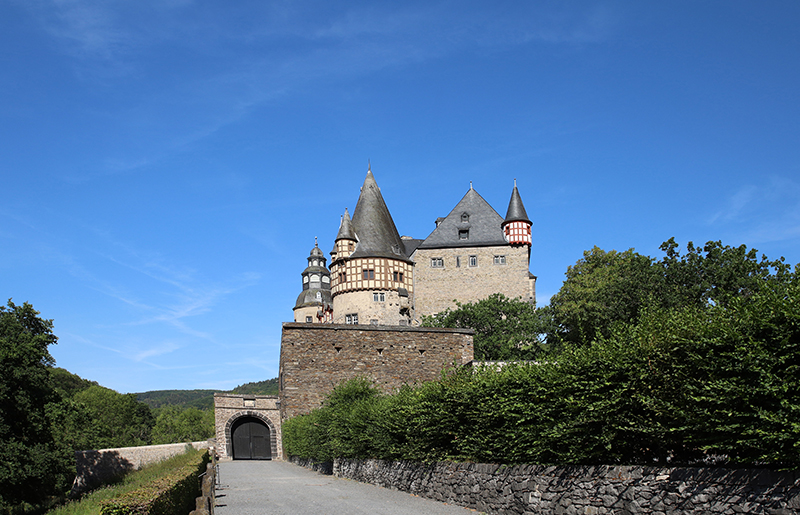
(173, 493)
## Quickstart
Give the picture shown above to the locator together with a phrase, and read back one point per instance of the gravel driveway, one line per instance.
(282, 488)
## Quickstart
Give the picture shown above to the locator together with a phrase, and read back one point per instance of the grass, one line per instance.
(91, 503)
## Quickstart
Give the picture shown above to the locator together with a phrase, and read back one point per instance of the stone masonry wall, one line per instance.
(230, 407)
(586, 490)
(435, 289)
(317, 357)
(95, 468)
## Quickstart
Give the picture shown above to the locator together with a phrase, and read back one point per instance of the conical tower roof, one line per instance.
(377, 234)
(516, 211)
(346, 231)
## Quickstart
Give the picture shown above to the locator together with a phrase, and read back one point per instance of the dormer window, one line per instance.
(463, 234)
(464, 217)
(396, 249)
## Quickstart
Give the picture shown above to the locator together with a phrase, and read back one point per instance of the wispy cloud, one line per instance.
(760, 213)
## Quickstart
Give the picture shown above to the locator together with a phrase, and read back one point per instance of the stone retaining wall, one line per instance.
(528, 489)
(95, 468)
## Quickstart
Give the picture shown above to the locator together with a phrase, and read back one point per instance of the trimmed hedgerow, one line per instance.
(171, 494)
(680, 386)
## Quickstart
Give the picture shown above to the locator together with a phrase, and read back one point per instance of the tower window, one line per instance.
(397, 276)
(351, 319)
(463, 234)
(379, 297)
(350, 245)
(458, 261)
(499, 260)
(437, 262)
(309, 319)
(368, 273)
(473, 261)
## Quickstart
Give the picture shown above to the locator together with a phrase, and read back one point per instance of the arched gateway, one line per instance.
(247, 426)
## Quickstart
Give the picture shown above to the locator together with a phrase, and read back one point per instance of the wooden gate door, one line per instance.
(251, 440)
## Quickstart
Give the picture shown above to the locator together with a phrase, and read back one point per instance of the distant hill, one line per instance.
(203, 399)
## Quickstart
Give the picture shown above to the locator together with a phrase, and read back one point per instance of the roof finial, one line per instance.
(316, 244)
(470, 184)
(515, 182)
(369, 166)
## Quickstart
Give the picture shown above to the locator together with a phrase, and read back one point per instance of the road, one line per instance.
(282, 488)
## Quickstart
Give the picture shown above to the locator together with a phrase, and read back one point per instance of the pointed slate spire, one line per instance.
(346, 231)
(516, 211)
(377, 234)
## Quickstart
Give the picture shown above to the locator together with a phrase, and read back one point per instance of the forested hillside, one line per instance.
(203, 399)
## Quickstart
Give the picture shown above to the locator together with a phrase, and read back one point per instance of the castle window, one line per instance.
(350, 245)
(473, 261)
(309, 319)
(397, 276)
(379, 297)
(463, 234)
(499, 260)
(368, 273)
(458, 261)
(351, 319)
(464, 217)
(326, 279)
(437, 262)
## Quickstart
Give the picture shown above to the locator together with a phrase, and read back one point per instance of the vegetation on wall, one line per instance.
(695, 360)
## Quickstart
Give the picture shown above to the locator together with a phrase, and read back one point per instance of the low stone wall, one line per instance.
(528, 489)
(95, 468)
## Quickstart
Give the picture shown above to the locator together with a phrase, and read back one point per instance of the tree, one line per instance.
(119, 419)
(505, 329)
(32, 464)
(175, 425)
(601, 289)
(607, 288)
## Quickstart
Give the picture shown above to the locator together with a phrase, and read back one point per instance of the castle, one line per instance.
(360, 317)
(377, 277)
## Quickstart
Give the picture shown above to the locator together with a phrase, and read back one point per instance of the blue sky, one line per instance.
(165, 165)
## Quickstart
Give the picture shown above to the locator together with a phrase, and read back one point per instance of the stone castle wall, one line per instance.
(95, 468)
(317, 357)
(436, 288)
(228, 408)
(370, 311)
(585, 490)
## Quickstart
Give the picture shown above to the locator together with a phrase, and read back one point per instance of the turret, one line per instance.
(517, 226)
(314, 303)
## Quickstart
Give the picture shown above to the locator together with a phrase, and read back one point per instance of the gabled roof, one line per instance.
(377, 234)
(516, 211)
(482, 222)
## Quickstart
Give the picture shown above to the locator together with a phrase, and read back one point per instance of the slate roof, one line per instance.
(346, 228)
(484, 225)
(516, 211)
(309, 298)
(374, 228)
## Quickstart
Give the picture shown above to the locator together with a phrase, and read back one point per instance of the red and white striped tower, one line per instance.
(517, 226)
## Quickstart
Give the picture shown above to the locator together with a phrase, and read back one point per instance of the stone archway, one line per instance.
(235, 422)
(232, 411)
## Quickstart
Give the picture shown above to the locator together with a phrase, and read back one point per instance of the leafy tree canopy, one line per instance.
(505, 329)
(31, 462)
(606, 288)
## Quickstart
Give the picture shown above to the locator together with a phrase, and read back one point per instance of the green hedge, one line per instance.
(171, 494)
(681, 386)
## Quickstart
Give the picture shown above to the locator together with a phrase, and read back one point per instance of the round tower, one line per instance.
(371, 275)
(314, 304)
